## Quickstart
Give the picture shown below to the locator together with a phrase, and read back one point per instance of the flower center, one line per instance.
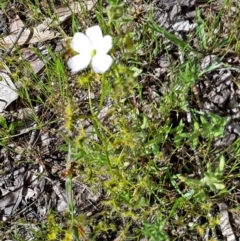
(93, 53)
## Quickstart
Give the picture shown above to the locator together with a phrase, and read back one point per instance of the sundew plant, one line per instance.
(125, 126)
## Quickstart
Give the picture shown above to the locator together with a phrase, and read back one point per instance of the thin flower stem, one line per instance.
(103, 85)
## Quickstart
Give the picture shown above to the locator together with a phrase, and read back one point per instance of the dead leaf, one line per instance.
(16, 25)
(30, 36)
(42, 33)
(184, 26)
(35, 62)
(7, 91)
(29, 193)
(65, 11)
(225, 223)
(11, 201)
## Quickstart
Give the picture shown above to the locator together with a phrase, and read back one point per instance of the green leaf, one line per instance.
(191, 182)
(196, 126)
(145, 122)
(200, 195)
(112, 1)
(221, 163)
(3, 122)
(204, 120)
(201, 31)
(219, 185)
(115, 11)
(136, 71)
(222, 43)
(183, 135)
(208, 167)
(11, 129)
(195, 143)
(128, 42)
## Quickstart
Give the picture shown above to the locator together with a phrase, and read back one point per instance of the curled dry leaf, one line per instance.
(7, 91)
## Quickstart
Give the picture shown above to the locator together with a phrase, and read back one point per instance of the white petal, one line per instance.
(104, 45)
(81, 43)
(79, 62)
(95, 35)
(101, 63)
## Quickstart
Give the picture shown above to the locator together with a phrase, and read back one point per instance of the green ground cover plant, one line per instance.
(156, 173)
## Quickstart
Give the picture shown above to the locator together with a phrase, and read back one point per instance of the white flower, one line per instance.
(92, 47)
